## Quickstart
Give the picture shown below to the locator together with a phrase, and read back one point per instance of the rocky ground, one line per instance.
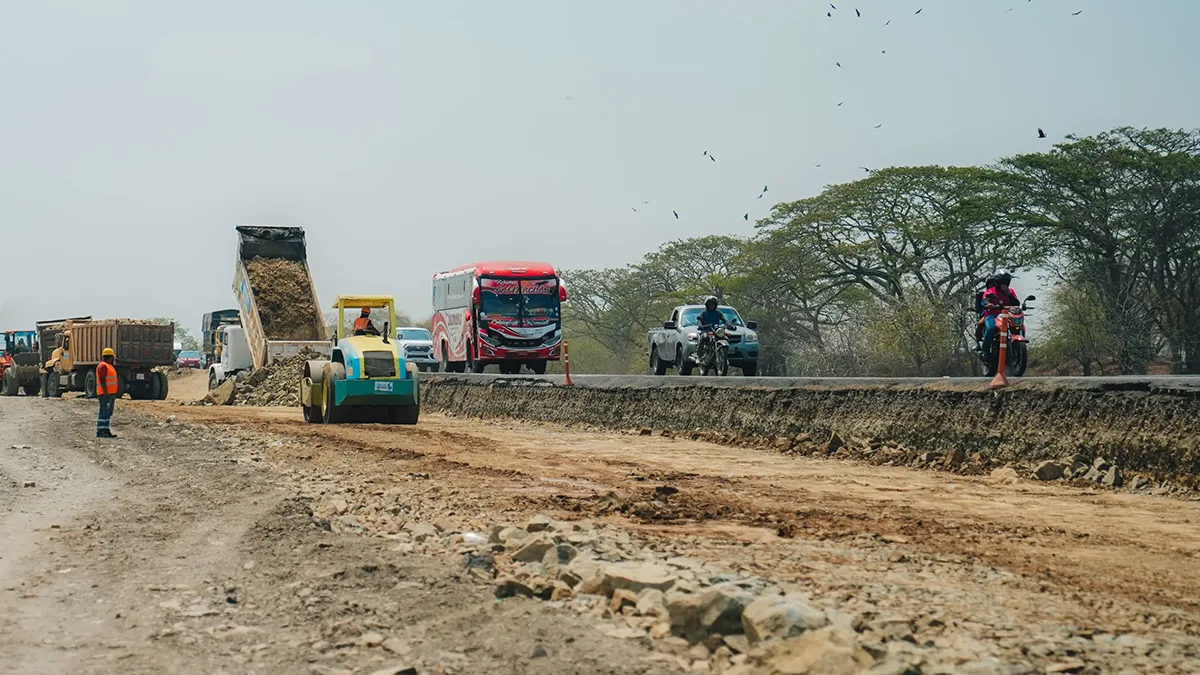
(241, 540)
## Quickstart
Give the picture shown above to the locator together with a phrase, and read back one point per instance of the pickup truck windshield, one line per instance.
(413, 334)
(690, 314)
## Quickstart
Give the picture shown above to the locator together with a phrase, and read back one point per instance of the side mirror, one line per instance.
(669, 325)
(1032, 297)
(752, 325)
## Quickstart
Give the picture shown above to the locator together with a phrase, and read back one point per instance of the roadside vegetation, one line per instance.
(877, 276)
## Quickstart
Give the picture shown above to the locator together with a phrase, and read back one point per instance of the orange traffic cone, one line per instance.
(1001, 380)
(566, 366)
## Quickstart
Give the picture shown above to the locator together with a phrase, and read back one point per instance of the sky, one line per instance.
(408, 138)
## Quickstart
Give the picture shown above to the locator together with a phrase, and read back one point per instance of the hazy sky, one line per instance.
(410, 137)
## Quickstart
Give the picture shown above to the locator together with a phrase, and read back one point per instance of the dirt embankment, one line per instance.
(283, 293)
(1151, 432)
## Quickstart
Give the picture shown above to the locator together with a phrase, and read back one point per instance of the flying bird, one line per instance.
(634, 210)
(831, 5)
(878, 125)
(829, 14)
(760, 195)
(840, 104)
(817, 165)
(1077, 13)
(712, 158)
(1041, 134)
(839, 64)
(917, 12)
(889, 22)
(857, 13)
(676, 214)
(746, 216)
(865, 169)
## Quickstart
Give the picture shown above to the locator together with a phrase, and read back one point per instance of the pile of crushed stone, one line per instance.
(283, 294)
(276, 385)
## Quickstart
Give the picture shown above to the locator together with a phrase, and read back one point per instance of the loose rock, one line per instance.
(780, 617)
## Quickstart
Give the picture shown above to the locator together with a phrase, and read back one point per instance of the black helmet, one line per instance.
(1003, 277)
(710, 303)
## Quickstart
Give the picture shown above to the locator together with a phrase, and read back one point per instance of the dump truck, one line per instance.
(19, 363)
(277, 300)
(140, 346)
(210, 328)
(366, 378)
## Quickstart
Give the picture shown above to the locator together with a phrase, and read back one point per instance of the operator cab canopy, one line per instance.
(355, 302)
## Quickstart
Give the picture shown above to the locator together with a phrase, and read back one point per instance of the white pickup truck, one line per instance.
(416, 345)
(673, 345)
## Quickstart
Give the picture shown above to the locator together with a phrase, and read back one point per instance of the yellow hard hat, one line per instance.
(108, 351)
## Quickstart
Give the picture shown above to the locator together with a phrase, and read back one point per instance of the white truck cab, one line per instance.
(416, 344)
(235, 355)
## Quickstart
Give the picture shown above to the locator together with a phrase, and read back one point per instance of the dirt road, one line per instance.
(981, 575)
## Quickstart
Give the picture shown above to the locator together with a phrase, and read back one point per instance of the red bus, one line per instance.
(502, 313)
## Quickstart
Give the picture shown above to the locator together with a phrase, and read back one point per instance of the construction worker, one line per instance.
(106, 391)
(363, 325)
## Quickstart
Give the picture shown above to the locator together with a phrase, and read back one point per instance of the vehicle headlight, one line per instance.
(750, 338)
(692, 337)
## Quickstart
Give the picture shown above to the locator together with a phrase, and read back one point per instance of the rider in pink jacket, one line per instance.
(997, 296)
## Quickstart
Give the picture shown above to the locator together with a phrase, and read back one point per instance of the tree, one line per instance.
(1121, 213)
(182, 335)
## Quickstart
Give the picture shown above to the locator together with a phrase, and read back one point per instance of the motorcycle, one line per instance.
(712, 354)
(988, 351)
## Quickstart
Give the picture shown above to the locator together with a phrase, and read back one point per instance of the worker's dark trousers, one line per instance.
(106, 412)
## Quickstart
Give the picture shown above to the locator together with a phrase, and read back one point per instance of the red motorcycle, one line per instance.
(1017, 359)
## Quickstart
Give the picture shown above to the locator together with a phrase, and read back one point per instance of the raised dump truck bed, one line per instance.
(276, 295)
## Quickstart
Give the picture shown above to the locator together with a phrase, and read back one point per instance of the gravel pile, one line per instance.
(276, 385)
(283, 293)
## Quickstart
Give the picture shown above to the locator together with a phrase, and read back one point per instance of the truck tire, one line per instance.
(89, 385)
(538, 367)
(163, 387)
(45, 380)
(404, 414)
(333, 414)
(685, 366)
(212, 380)
(750, 370)
(32, 388)
(9, 385)
(53, 386)
(657, 365)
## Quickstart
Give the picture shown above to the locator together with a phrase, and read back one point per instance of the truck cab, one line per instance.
(235, 355)
(366, 374)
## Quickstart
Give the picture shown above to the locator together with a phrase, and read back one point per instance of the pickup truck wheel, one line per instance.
(657, 365)
(212, 380)
(684, 366)
(750, 370)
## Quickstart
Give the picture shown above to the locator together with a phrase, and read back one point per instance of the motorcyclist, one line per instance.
(995, 299)
(710, 318)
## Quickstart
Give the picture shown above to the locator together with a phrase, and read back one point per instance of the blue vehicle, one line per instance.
(19, 363)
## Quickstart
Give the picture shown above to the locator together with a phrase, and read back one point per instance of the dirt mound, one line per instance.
(1142, 428)
(277, 384)
(283, 293)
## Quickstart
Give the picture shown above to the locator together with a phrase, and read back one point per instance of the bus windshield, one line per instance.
(519, 299)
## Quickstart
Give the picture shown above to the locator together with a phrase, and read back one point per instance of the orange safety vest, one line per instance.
(106, 379)
(362, 323)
